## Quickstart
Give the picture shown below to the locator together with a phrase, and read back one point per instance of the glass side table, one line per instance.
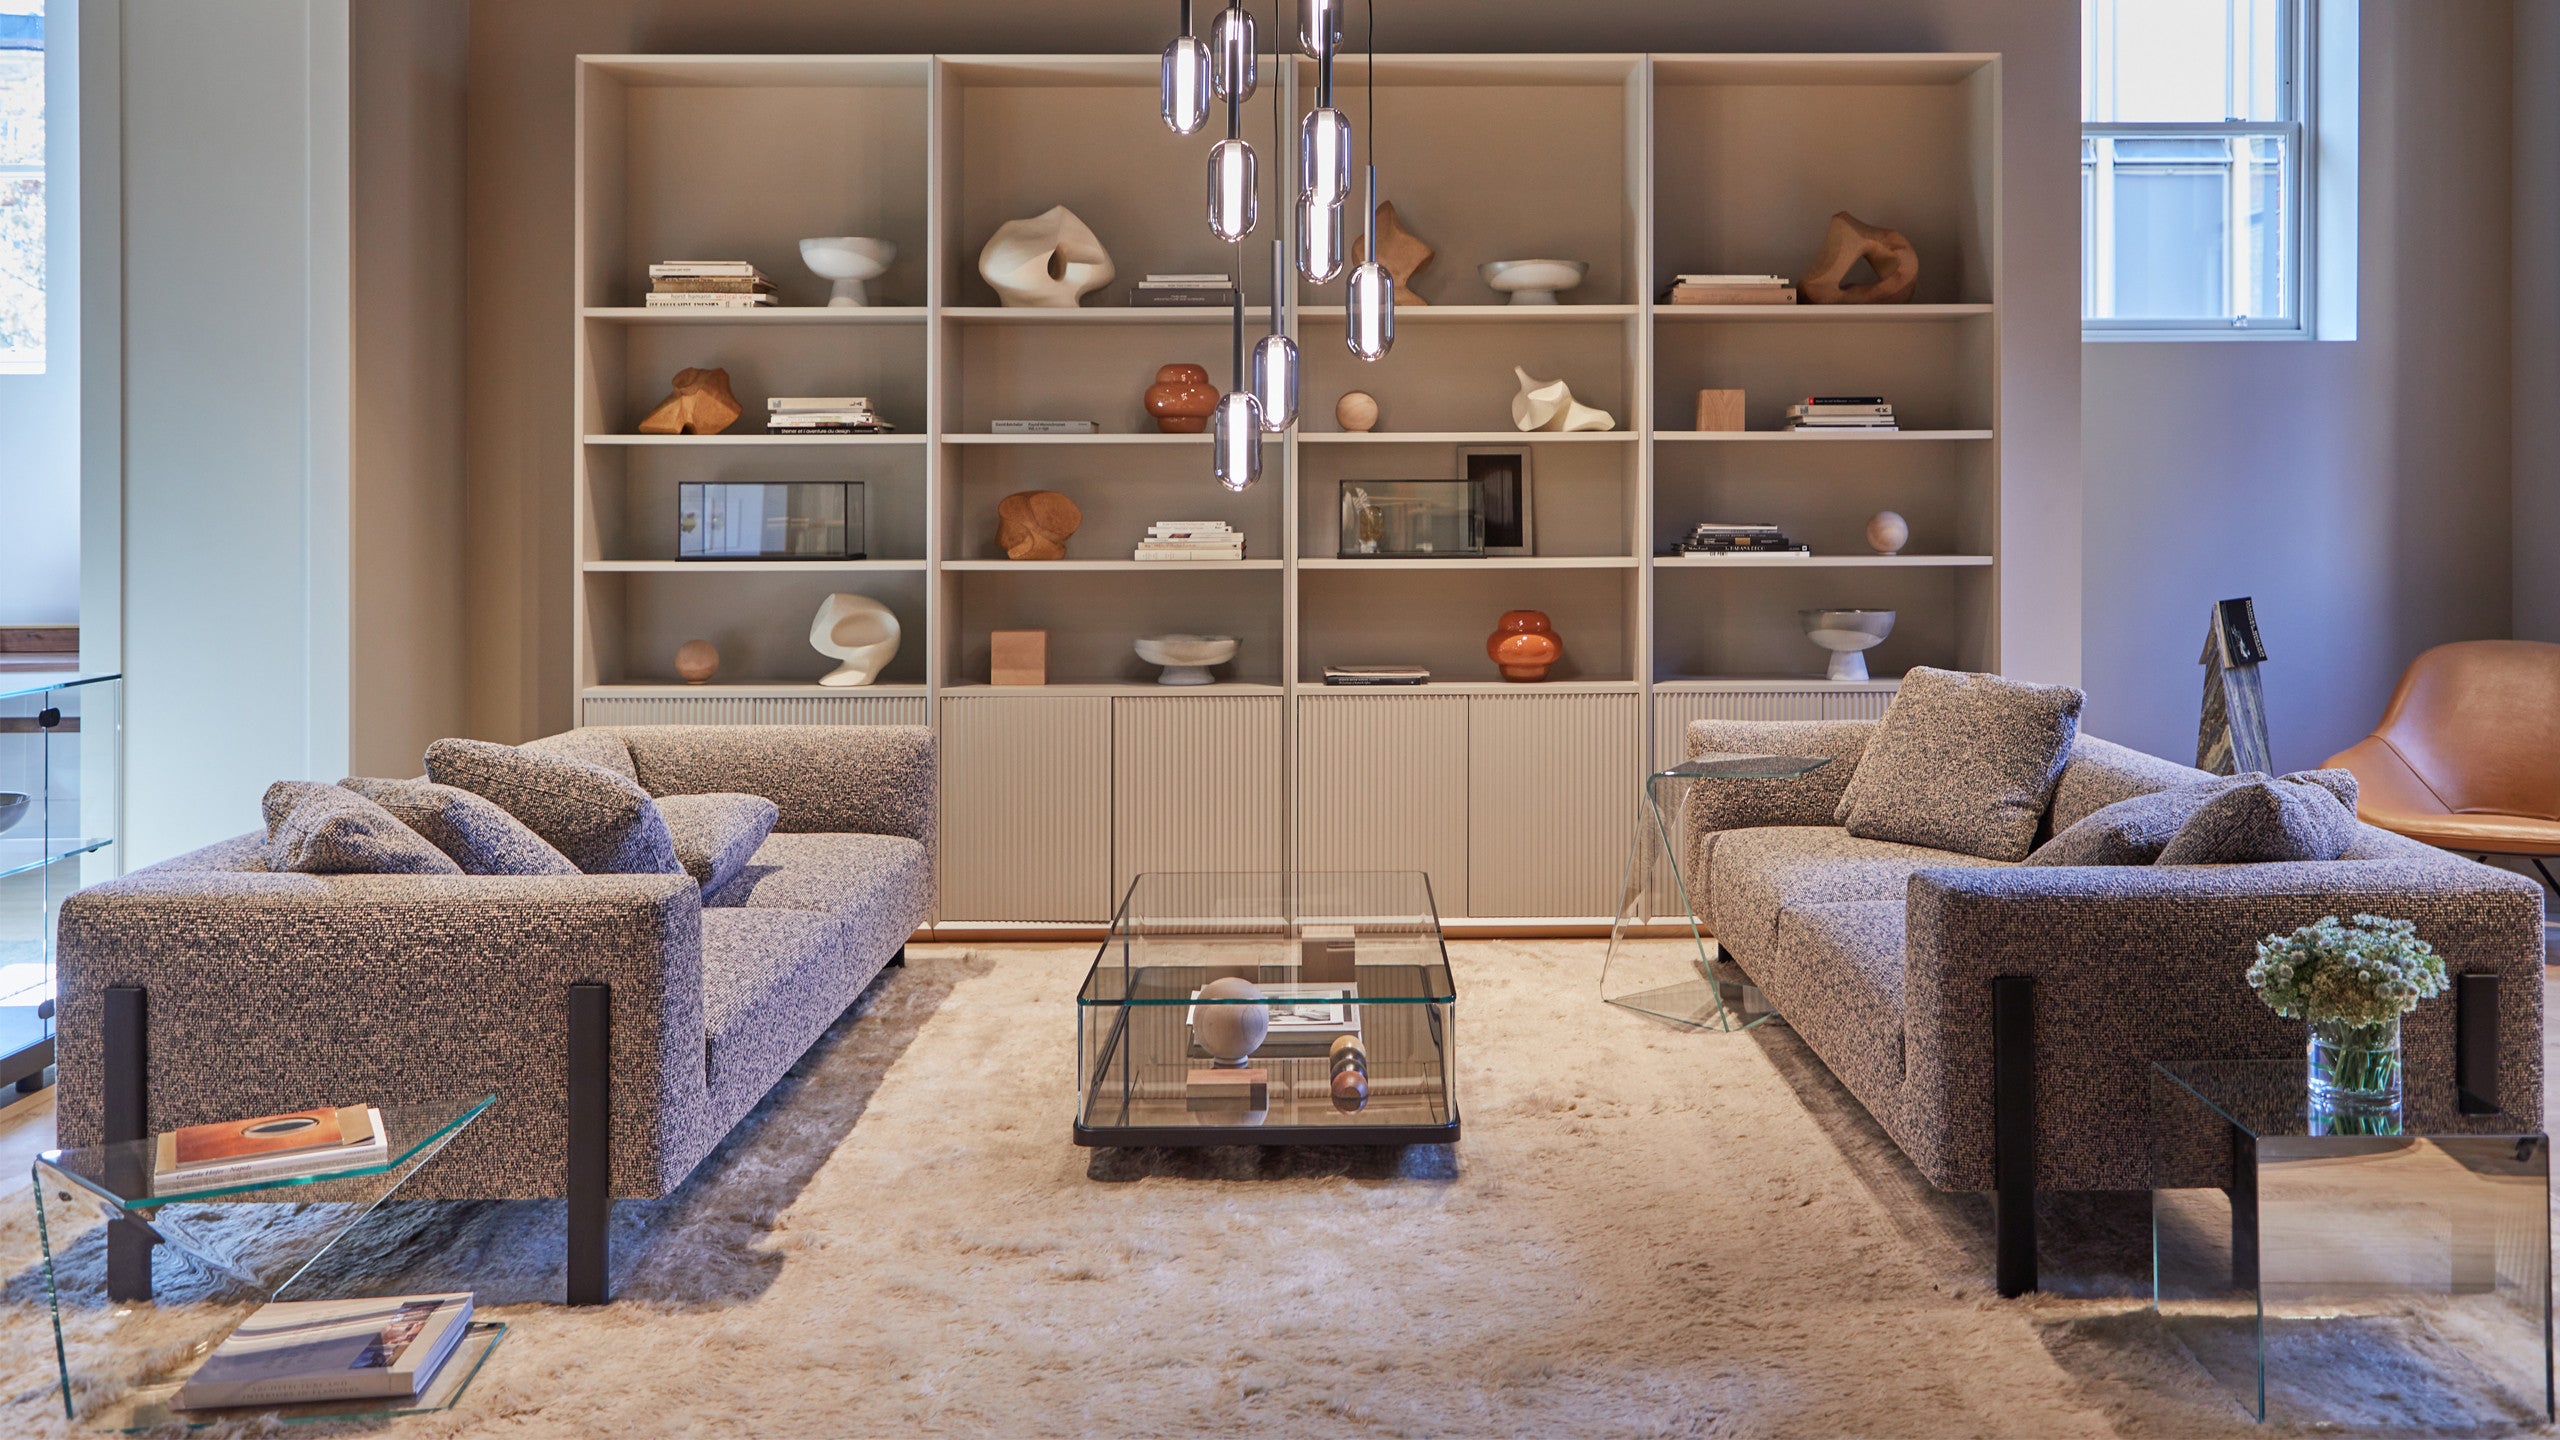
(2387, 1280)
(79, 1191)
(1692, 985)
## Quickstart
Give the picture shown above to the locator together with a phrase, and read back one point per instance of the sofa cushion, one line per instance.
(481, 837)
(2135, 831)
(317, 829)
(773, 980)
(716, 835)
(1963, 762)
(2256, 819)
(596, 747)
(603, 821)
(1809, 799)
(881, 886)
(1835, 972)
(1759, 873)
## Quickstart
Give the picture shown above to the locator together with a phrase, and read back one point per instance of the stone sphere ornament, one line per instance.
(1887, 533)
(1524, 644)
(1230, 1033)
(1356, 411)
(1048, 262)
(1182, 399)
(697, 661)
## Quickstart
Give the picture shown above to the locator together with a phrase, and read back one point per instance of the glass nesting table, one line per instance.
(1693, 984)
(232, 1268)
(2380, 1271)
(1358, 951)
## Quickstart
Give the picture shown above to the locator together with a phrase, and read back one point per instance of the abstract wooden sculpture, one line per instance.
(700, 405)
(1850, 240)
(1035, 524)
(1400, 250)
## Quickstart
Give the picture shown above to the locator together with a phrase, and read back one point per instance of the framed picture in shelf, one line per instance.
(1510, 514)
(776, 520)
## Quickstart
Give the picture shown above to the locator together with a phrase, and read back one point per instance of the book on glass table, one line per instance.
(293, 1351)
(268, 1147)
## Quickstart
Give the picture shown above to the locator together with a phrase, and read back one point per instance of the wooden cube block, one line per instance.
(1018, 657)
(1327, 954)
(1224, 1089)
(1719, 409)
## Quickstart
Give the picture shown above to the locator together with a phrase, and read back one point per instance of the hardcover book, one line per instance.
(293, 1351)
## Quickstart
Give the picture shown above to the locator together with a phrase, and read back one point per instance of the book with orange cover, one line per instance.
(299, 1142)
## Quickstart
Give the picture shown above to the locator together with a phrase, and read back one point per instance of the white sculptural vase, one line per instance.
(858, 631)
(1050, 261)
(1549, 405)
(848, 260)
(1186, 658)
(1848, 635)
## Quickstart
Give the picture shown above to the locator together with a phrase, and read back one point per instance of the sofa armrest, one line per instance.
(827, 779)
(1715, 806)
(2133, 964)
(271, 992)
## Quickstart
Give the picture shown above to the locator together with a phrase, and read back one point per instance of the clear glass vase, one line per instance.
(2355, 1067)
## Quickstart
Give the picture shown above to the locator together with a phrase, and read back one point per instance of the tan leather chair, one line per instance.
(2468, 755)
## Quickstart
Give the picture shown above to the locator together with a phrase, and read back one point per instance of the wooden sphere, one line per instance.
(1230, 1032)
(1035, 524)
(1887, 533)
(697, 661)
(1350, 1090)
(1356, 411)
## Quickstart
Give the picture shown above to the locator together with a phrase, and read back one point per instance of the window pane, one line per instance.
(2271, 278)
(21, 185)
(2170, 245)
(2182, 60)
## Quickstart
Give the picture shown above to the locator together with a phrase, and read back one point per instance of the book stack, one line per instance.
(1045, 427)
(1191, 540)
(1709, 538)
(1841, 412)
(268, 1149)
(1218, 290)
(1730, 290)
(299, 1351)
(707, 285)
(1376, 675)
(822, 415)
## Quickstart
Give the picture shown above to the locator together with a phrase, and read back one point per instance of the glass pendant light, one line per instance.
(1233, 49)
(1274, 370)
(1324, 154)
(1369, 314)
(1236, 435)
(1235, 199)
(1184, 82)
(1319, 240)
(1320, 28)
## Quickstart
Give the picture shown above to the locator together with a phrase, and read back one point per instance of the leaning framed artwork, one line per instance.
(1510, 509)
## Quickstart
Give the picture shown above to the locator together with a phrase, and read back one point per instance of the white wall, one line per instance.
(40, 414)
(2535, 385)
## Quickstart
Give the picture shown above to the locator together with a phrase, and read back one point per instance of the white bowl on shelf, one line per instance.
(13, 808)
(1847, 634)
(1534, 282)
(848, 260)
(1186, 658)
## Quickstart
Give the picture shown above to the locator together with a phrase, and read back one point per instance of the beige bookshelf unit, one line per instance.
(1515, 799)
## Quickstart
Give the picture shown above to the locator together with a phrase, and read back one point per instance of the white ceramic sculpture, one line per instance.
(1050, 261)
(1533, 282)
(1186, 658)
(858, 630)
(1887, 533)
(1549, 405)
(848, 260)
(1847, 634)
(1230, 1033)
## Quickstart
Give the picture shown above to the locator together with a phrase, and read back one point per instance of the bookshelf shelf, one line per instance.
(1819, 314)
(1805, 437)
(700, 442)
(1116, 567)
(1489, 562)
(770, 315)
(1820, 562)
(750, 567)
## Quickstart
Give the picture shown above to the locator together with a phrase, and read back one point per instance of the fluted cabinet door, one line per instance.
(1552, 783)
(1196, 784)
(1382, 785)
(1026, 808)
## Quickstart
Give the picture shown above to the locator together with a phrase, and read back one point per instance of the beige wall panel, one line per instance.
(1196, 784)
(1026, 808)
(755, 710)
(1382, 785)
(1552, 783)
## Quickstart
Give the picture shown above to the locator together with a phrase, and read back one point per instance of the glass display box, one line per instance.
(1412, 519)
(770, 520)
(60, 734)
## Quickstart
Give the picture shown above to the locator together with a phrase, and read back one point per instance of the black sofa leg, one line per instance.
(590, 1177)
(2475, 1044)
(2013, 1133)
(124, 1047)
(897, 961)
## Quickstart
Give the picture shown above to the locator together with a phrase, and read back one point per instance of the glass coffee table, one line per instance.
(1332, 954)
(2383, 1271)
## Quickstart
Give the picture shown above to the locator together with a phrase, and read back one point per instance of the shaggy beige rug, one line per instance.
(1645, 1233)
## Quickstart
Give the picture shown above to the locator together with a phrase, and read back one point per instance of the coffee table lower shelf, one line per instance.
(1154, 1136)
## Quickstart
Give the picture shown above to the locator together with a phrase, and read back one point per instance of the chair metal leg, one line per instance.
(2013, 1133)
(590, 1168)
(125, 1048)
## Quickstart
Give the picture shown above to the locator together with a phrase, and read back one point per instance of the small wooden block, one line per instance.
(1327, 955)
(1018, 657)
(1222, 1089)
(1719, 409)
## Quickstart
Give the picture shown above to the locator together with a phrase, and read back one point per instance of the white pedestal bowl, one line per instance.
(1186, 658)
(848, 260)
(1533, 282)
(1847, 634)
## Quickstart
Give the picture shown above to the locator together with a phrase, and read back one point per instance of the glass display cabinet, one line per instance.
(60, 736)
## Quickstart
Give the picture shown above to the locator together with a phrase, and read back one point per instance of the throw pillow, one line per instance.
(716, 835)
(603, 821)
(1962, 762)
(482, 838)
(2256, 819)
(319, 829)
(2135, 831)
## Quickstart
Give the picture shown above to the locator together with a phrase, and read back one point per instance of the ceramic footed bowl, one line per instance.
(1846, 633)
(848, 260)
(13, 808)
(1186, 658)
(1534, 282)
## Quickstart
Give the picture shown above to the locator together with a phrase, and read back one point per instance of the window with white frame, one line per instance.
(2194, 166)
(22, 219)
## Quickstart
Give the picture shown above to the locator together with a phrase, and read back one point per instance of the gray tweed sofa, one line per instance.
(252, 992)
(1998, 1020)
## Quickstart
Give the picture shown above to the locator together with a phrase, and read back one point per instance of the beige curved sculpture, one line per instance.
(1050, 261)
(1549, 405)
(1848, 241)
(860, 632)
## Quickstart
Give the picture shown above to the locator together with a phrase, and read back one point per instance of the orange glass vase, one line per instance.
(1524, 644)
(1182, 399)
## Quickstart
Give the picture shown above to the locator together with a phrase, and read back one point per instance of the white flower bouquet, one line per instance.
(2352, 983)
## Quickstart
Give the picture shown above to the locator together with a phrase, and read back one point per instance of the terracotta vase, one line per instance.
(1182, 399)
(1524, 644)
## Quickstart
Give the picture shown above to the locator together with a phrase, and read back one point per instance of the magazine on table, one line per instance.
(1306, 1017)
(303, 1350)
